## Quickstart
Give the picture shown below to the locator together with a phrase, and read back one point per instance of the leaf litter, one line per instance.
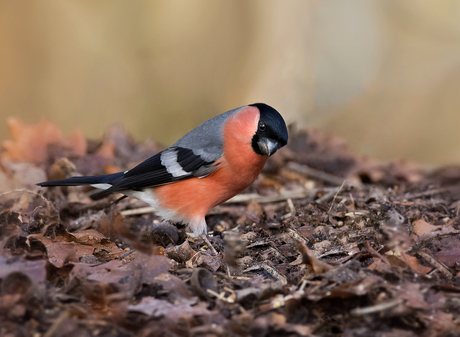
(324, 243)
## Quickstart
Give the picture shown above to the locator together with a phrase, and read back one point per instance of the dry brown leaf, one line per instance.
(152, 266)
(78, 143)
(202, 259)
(421, 228)
(89, 237)
(107, 150)
(254, 208)
(30, 142)
(62, 168)
(172, 284)
(110, 169)
(450, 258)
(61, 252)
(181, 253)
(125, 275)
(414, 264)
(34, 269)
(313, 263)
(412, 295)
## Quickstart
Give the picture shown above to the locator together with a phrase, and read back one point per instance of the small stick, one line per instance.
(320, 175)
(243, 198)
(137, 211)
(327, 196)
(211, 247)
(377, 308)
(335, 196)
(436, 264)
(57, 324)
(430, 192)
(127, 254)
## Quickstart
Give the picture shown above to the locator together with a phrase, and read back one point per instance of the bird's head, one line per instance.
(271, 134)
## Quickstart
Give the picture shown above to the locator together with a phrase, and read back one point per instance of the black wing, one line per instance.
(170, 165)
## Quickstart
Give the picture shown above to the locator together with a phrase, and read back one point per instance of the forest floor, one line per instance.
(324, 243)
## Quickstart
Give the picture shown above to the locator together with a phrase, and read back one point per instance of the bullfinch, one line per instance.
(209, 165)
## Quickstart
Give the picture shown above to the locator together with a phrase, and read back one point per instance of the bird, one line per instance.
(207, 166)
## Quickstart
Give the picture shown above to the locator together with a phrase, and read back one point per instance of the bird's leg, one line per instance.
(199, 229)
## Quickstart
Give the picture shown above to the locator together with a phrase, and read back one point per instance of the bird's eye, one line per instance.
(262, 126)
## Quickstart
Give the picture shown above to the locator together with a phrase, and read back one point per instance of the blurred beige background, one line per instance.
(384, 74)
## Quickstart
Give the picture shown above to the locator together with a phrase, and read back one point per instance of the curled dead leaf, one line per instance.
(202, 280)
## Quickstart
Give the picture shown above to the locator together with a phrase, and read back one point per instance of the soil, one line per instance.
(324, 243)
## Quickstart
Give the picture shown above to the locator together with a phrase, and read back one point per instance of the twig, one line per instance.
(244, 198)
(434, 262)
(210, 246)
(327, 196)
(231, 299)
(377, 308)
(57, 324)
(320, 175)
(431, 192)
(137, 211)
(231, 291)
(127, 254)
(302, 286)
(243, 278)
(220, 296)
(335, 196)
(291, 206)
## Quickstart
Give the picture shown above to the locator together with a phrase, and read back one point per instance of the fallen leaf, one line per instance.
(421, 228)
(202, 280)
(152, 266)
(178, 290)
(107, 150)
(181, 253)
(36, 270)
(62, 168)
(413, 296)
(312, 262)
(125, 275)
(450, 258)
(414, 263)
(22, 175)
(203, 259)
(89, 237)
(30, 142)
(61, 252)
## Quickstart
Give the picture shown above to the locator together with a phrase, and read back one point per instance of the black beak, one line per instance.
(268, 146)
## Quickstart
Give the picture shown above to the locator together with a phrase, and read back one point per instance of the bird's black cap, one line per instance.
(271, 126)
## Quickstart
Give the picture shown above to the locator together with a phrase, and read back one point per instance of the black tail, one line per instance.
(77, 181)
